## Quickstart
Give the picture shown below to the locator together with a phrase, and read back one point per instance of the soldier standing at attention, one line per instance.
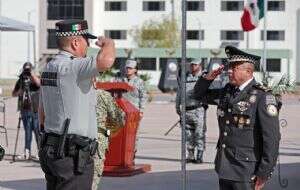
(138, 96)
(68, 97)
(109, 118)
(248, 144)
(195, 115)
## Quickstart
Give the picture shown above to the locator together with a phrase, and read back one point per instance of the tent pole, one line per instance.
(34, 49)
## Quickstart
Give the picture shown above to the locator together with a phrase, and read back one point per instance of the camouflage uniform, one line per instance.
(195, 119)
(138, 96)
(109, 116)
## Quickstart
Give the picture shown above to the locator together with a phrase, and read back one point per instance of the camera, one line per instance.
(25, 76)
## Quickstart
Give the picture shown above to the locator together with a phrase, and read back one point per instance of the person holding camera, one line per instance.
(67, 107)
(27, 89)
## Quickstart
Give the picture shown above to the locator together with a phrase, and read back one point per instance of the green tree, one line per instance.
(157, 34)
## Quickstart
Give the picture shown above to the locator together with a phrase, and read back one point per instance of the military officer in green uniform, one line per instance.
(67, 107)
(110, 118)
(248, 144)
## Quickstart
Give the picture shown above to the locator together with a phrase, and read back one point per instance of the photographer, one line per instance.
(27, 89)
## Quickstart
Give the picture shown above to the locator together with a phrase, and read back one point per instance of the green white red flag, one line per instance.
(253, 12)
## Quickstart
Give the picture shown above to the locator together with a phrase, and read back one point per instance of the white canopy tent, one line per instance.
(11, 25)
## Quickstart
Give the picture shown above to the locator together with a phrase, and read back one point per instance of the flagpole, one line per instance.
(264, 66)
(247, 40)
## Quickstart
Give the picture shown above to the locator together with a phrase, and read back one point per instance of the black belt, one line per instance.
(188, 108)
(52, 139)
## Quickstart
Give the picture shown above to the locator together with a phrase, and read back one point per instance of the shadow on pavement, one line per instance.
(197, 179)
(30, 184)
(171, 180)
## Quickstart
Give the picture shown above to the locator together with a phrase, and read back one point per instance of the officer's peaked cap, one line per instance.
(131, 63)
(73, 27)
(235, 55)
(196, 61)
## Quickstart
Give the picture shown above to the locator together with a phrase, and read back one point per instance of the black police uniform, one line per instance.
(68, 146)
(248, 128)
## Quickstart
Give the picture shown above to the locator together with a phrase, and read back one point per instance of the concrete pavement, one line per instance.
(162, 152)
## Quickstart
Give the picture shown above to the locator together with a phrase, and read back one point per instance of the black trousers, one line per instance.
(59, 173)
(225, 184)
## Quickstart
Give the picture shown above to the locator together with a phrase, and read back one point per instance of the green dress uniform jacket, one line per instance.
(249, 134)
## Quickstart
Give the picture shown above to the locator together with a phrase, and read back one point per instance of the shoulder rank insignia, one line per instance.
(261, 87)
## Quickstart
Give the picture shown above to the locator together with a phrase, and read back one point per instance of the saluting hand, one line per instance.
(214, 73)
(102, 41)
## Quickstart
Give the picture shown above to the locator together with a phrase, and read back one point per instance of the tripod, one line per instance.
(17, 137)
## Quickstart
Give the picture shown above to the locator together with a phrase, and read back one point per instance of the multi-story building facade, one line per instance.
(210, 25)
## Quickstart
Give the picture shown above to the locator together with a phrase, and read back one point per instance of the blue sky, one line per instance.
(14, 44)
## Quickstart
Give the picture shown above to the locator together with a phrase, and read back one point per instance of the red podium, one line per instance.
(120, 155)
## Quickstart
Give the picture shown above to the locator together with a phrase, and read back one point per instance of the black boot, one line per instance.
(190, 157)
(199, 157)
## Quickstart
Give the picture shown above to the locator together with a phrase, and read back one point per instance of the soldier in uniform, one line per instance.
(195, 115)
(109, 118)
(138, 97)
(68, 97)
(248, 144)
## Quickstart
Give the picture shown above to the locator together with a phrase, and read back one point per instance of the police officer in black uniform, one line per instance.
(67, 107)
(248, 144)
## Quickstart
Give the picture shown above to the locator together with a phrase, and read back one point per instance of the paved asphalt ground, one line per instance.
(162, 152)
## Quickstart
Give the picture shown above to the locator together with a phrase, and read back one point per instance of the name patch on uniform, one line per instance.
(49, 79)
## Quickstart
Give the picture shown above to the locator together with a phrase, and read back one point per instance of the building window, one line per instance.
(232, 35)
(51, 39)
(153, 6)
(147, 64)
(195, 5)
(195, 35)
(276, 5)
(115, 6)
(116, 34)
(232, 5)
(273, 35)
(274, 65)
(65, 9)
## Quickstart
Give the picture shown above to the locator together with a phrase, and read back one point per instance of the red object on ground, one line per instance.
(120, 155)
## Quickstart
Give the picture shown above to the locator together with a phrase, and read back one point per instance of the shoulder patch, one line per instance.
(272, 110)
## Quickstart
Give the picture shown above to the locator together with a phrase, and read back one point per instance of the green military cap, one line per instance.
(73, 27)
(196, 61)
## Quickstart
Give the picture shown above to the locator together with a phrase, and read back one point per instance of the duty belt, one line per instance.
(52, 139)
(188, 108)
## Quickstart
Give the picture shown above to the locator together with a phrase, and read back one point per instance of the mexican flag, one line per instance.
(253, 12)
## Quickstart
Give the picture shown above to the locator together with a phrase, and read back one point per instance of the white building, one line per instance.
(217, 22)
